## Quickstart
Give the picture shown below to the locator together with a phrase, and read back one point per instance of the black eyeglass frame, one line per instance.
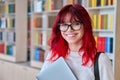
(79, 24)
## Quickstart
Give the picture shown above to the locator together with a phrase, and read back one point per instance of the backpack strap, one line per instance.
(96, 67)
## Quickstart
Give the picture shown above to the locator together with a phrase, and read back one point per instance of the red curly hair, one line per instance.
(59, 47)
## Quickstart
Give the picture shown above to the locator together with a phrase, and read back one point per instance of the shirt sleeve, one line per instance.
(105, 68)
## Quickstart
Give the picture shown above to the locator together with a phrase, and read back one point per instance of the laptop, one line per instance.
(59, 70)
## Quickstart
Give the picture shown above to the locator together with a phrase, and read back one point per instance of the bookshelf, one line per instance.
(104, 25)
(13, 30)
(43, 13)
(103, 15)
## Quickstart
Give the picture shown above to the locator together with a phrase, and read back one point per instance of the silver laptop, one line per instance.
(58, 70)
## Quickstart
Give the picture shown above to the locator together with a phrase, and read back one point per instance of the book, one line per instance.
(9, 50)
(39, 54)
(37, 22)
(58, 70)
(2, 48)
(109, 45)
(111, 21)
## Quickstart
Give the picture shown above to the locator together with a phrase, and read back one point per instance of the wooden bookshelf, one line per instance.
(13, 29)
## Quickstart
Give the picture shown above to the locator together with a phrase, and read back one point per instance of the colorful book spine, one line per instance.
(10, 37)
(36, 38)
(2, 9)
(2, 48)
(109, 45)
(100, 21)
(0, 22)
(39, 55)
(40, 38)
(9, 50)
(98, 2)
(3, 22)
(10, 22)
(58, 4)
(42, 55)
(11, 8)
(101, 3)
(6, 8)
(1, 36)
(94, 21)
(105, 21)
(37, 22)
(36, 55)
(38, 5)
(104, 44)
(111, 21)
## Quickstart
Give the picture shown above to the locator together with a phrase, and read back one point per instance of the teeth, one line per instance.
(70, 35)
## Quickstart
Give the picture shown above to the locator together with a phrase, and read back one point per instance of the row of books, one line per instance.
(38, 38)
(7, 8)
(102, 21)
(2, 11)
(10, 50)
(7, 49)
(8, 22)
(96, 3)
(37, 22)
(51, 20)
(104, 44)
(2, 48)
(39, 54)
(7, 37)
(81, 2)
(2, 36)
(46, 5)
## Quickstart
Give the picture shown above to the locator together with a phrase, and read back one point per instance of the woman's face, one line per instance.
(70, 35)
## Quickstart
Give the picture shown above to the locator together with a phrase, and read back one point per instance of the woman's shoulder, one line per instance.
(103, 56)
(104, 59)
(105, 67)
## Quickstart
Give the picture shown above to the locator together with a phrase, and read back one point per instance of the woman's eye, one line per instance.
(76, 24)
(64, 25)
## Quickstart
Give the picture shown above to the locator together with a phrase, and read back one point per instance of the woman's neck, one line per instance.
(74, 47)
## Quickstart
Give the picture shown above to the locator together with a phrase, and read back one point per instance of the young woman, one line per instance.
(72, 38)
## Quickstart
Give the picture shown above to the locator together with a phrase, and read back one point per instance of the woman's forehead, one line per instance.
(69, 18)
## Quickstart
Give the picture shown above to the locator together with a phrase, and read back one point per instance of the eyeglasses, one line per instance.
(74, 26)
